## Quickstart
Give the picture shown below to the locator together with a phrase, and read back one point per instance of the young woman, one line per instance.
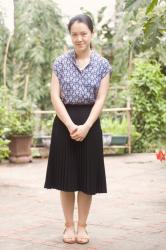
(79, 86)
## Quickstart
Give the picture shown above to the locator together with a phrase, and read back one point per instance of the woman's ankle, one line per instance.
(69, 223)
(81, 224)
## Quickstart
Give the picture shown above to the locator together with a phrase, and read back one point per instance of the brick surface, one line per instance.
(131, 216)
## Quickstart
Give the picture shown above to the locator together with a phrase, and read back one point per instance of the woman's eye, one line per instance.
(75, 35)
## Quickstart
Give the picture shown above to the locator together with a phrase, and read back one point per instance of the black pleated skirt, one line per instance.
(76, 166)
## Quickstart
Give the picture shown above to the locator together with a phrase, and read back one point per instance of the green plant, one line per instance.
(114, 126)
(139, 31)
(4, 150)
(16, 116)
(20, 119)
(46, 124)
(18, 125)
(118, 127)
(39, 37)
(148, 91)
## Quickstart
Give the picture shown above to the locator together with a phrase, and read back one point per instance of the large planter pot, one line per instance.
(20, 149)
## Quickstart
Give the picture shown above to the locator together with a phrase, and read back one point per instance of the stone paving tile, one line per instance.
(6, 243)
(131, 216)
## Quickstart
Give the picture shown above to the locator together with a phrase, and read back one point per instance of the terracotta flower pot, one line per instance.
(20, 149)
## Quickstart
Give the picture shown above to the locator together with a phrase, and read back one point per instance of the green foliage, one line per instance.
(38, 39)
(154, 28)
(117, 97)
(19, 124)
(148, 90)
(16, 115)
(20, 118)
(118, 126)
(46, 124)
(140, 31)
(151, 6)
(4, 150)
(15, 119)
(114, 126)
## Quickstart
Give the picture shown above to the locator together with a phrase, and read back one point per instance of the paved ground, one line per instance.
(131, 216)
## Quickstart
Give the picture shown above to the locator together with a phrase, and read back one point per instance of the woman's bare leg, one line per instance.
(67, 202)
(84, 203)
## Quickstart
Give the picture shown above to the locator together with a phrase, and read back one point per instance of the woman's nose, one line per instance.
(79, 38)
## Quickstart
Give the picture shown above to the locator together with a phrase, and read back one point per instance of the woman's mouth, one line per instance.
(80, 44)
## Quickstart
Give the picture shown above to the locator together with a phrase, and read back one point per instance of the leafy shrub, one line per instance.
(20, 118)
(15, 115)
(4, 150)
(148, 91)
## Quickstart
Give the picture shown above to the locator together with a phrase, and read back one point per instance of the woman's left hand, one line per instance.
(80, 133)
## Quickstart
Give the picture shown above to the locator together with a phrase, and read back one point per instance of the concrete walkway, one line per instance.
(131, 216)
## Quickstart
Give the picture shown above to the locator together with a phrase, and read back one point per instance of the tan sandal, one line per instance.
(69, 234)
(82, 235)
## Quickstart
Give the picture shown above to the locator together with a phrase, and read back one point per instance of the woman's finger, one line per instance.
(73, 132)
(75, 136)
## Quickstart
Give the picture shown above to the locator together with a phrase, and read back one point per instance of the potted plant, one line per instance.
(119, 131)
(20, 132)
(114, 131)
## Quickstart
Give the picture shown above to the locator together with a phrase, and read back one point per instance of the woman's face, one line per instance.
(81, 36)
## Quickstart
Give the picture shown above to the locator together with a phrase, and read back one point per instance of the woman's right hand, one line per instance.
(72, 128)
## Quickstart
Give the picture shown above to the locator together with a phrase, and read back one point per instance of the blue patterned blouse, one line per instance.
(80, 86)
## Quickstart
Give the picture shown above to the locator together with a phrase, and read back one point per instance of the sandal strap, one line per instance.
(83, 225)
(82, 237)
(68, 225)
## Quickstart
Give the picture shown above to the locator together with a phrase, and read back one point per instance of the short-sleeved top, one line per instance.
(80, 86)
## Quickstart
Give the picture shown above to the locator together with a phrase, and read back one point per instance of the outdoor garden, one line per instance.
(134, 41)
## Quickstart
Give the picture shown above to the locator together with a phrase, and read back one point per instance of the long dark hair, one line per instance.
(81, 18)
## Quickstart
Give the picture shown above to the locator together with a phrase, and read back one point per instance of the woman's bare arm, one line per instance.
(101, 96)
(58, 104)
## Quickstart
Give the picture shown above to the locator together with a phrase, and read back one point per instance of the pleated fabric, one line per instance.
(76, 166)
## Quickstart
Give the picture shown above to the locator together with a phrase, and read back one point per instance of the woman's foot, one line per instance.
(69, 234)
(82, 235)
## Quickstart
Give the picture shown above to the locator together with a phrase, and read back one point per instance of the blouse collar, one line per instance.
(73, 56)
